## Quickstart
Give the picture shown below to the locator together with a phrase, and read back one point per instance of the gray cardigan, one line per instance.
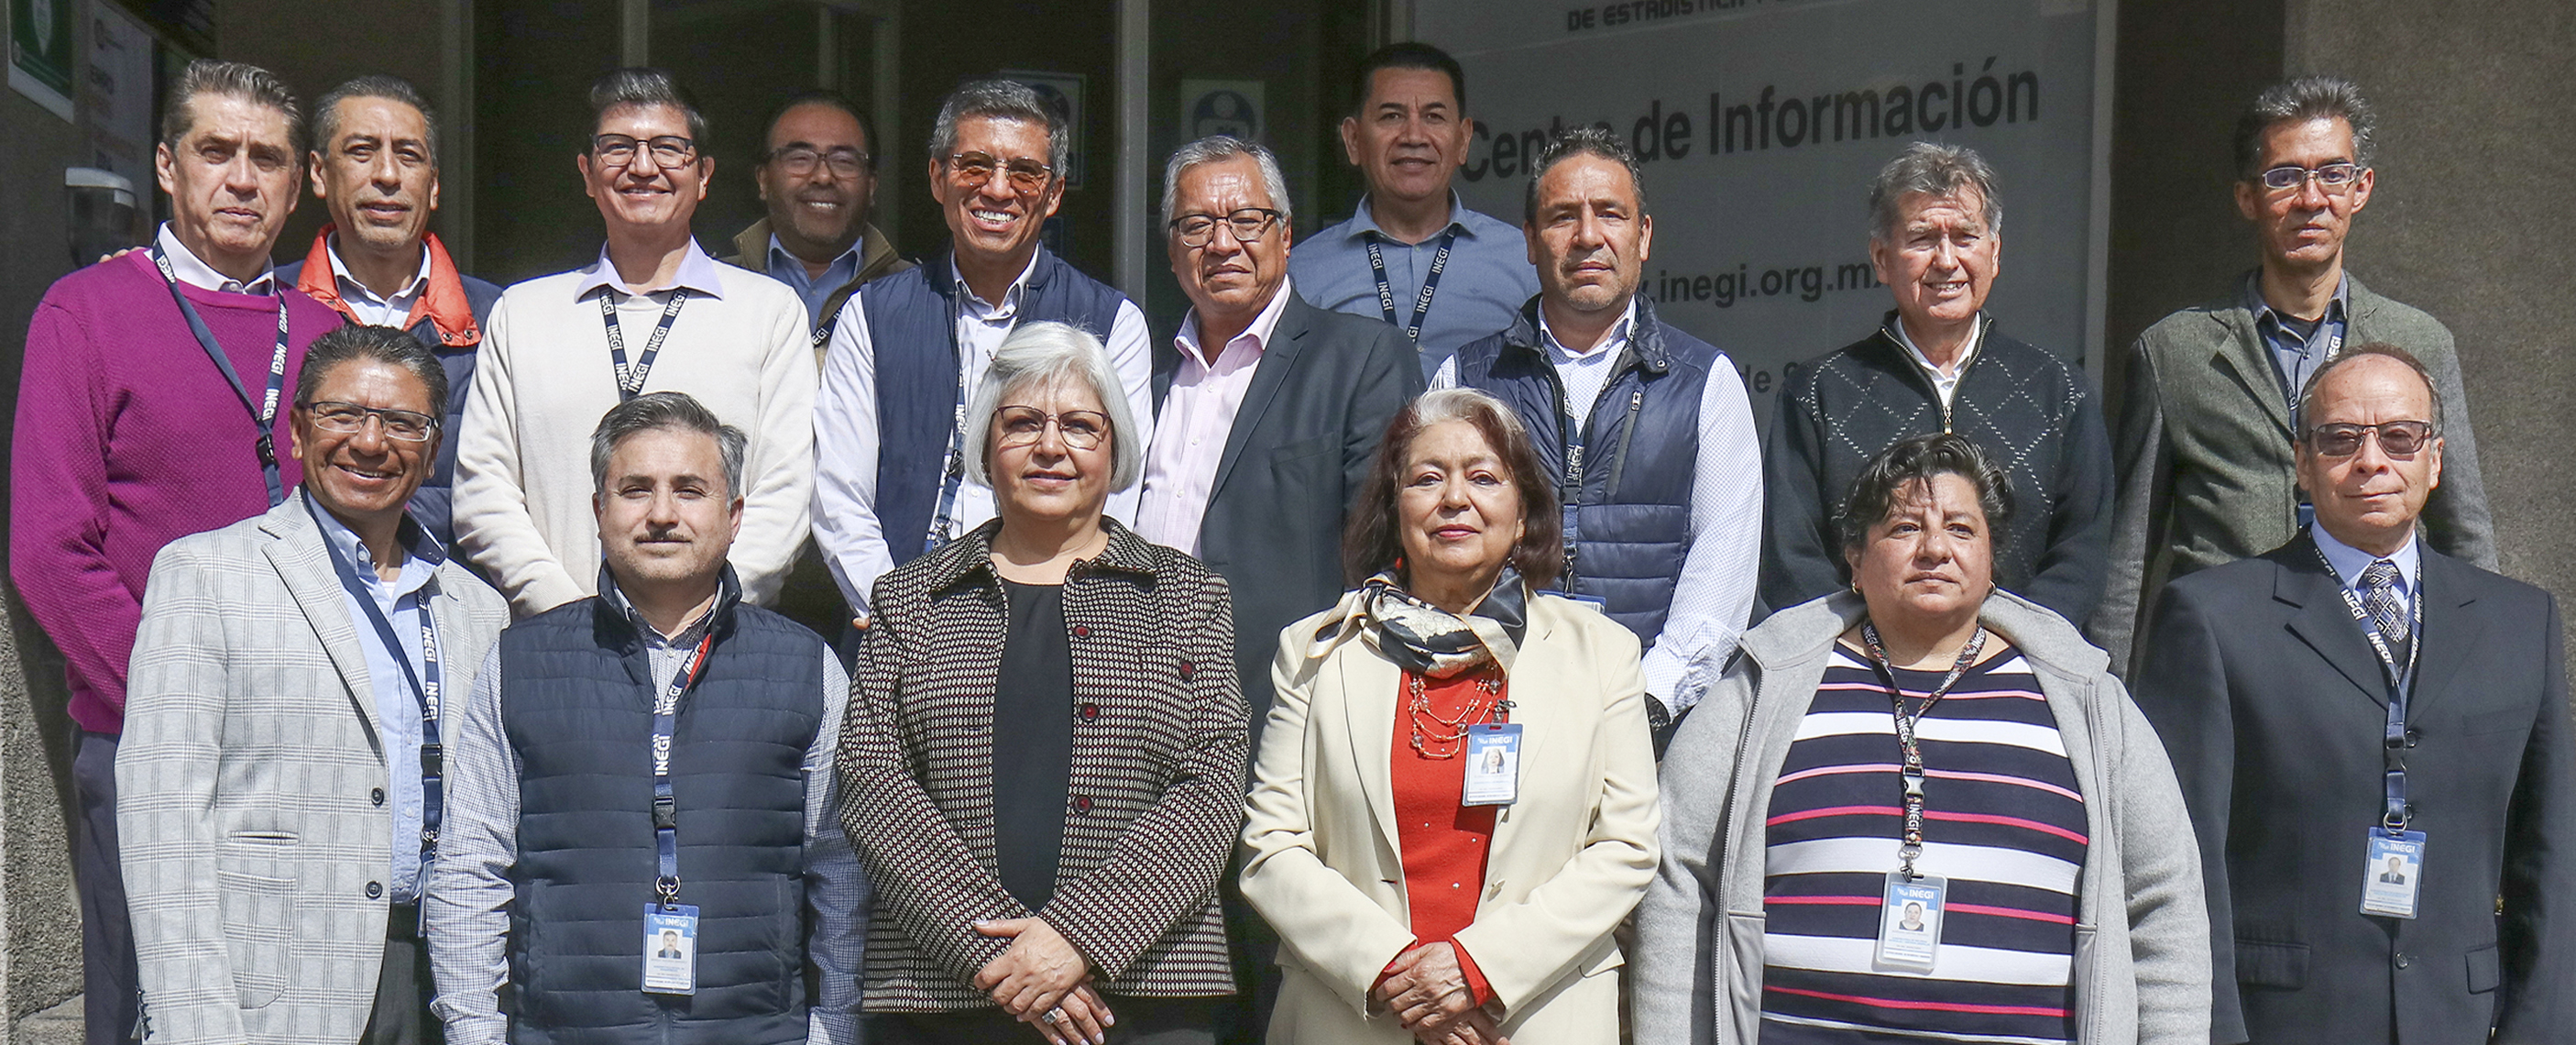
(2141, 939)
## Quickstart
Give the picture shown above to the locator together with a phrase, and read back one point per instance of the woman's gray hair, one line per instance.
(1053, 355)
(2299, 101)
(1933, 169)
(1000, 100)
(676, 410)
(1217, 147)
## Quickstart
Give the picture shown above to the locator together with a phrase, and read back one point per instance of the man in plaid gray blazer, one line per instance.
(278, 799)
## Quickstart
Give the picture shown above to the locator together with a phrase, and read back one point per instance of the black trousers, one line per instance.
(111, 989)
(1141, 1021)
(1245, 1017)
(403, 989)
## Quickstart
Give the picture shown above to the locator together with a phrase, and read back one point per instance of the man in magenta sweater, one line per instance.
(148, 410)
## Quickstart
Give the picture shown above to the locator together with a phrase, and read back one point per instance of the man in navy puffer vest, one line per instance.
(1645, 430)
(910, 348)
(641, 843)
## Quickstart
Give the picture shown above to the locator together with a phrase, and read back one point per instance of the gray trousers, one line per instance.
(112, 988)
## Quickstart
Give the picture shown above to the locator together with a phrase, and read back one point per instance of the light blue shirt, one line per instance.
(1487, 280)
(2348, 562)
(397, 708)
(785, 268)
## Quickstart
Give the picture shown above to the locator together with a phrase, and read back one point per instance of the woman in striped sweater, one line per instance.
(1922, 810)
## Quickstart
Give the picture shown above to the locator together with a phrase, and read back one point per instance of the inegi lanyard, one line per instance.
(2401, 680)
(666, 810)
(952, 468)
(424, 685)
(265, 413)
(630, 379)
(1912, 773)
(1430, 282)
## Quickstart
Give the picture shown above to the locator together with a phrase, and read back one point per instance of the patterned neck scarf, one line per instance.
(1427, 640)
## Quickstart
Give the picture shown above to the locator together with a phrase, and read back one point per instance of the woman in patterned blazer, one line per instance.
(1044, 759)
(1455, 801)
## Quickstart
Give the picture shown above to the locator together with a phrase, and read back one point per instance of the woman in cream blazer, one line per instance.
(1567, 860)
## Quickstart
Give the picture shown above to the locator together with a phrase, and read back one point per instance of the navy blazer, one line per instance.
(2273, 706)
(1310, 422)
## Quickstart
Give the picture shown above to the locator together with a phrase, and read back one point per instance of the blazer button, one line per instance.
(2404, 961)
(375, 890)
(1082, 804)
(1082, 631)
(1188, 669)
(376, 795)
(1090, 712)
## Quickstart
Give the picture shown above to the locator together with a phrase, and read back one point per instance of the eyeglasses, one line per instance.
(1082, 429)
(975, 168)
(1247, 225)
(801, 161)
(401, 426)
(2396, 438)
(618, 150)
(2333, 177)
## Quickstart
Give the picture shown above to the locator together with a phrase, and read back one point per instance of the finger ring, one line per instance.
(1050, 1016)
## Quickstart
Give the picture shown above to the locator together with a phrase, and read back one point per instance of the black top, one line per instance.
(1032, 743)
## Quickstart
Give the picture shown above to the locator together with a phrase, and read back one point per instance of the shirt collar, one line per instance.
(1258, 333)
(1364, 223)
(780, 259)
(2348, 561)
(2337, 307)
(652, 637)
(194, 271)
(350, 287)
(422, 553)
(1967, 354)
(1010, 303)
(1610, 343)
(699, 273)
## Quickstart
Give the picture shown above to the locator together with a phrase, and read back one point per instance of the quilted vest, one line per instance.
(1627, 518)
(577, 708)
(912, 318)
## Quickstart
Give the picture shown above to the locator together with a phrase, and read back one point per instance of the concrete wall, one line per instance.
(2466, 224)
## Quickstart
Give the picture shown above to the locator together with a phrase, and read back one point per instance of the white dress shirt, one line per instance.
(1713, 598)
(1197, 419)
(846, 440)
(1945, 382)
(193, 270)
(363, 303)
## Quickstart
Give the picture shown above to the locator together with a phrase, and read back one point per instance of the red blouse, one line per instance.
(1445, 844)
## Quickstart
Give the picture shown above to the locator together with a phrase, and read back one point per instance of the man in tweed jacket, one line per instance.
(274, 777)
(2204, 428)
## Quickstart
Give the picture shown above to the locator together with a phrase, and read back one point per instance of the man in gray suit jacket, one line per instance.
(280, 775)
(2202, 443)
(1267, 410)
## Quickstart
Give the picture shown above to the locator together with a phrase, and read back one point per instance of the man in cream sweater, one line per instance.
(654, 312)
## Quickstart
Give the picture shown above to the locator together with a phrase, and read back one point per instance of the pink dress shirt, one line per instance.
(1190, 432)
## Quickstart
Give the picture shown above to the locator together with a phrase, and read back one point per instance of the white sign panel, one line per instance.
(1759, 124)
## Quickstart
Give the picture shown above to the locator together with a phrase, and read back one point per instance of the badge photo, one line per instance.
(1493, 764)
(1909, 922)
(670, 949)
(2392, 873)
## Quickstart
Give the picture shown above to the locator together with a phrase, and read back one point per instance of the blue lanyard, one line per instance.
(424, 686)
(666, 809)
(630, 379)
(265, 413)
(1430, 283)
(2401, 681)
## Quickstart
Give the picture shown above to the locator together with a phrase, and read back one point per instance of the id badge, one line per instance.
(1493, 764)
(1598, 604)
(1909, 922)
(670, 949)
(2393, 874)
